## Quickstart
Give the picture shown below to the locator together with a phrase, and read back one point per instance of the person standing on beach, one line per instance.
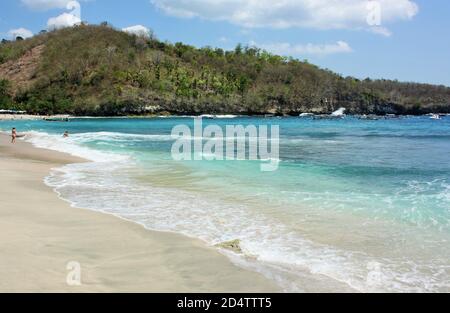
(13, 135)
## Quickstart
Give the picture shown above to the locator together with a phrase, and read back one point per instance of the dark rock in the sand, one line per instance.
(234, 246)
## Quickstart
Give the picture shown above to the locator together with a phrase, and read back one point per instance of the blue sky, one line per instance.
(395, 39)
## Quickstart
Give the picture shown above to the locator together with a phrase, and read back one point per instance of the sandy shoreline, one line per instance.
(18, 117)
(41, 234)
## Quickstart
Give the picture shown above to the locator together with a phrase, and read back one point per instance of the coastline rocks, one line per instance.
(234, 246)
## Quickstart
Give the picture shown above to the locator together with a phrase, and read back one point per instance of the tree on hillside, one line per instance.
(100, 70)
(5, 96)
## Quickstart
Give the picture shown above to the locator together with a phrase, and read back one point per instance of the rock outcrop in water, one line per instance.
(234, 246)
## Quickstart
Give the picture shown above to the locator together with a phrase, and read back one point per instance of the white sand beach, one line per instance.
(41, 234)
(18, 117)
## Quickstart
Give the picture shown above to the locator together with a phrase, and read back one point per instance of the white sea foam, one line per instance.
(273, 248)
(70, 146)
(208, 116)
(125, 137)
(226, 116)
(268, 242)
(214, 222)
(115, 137)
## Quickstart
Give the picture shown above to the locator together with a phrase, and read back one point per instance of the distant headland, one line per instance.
(100, 71)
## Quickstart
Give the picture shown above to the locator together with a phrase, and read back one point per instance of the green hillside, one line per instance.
(97, 70)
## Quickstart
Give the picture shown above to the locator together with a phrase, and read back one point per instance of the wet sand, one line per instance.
(41, 234)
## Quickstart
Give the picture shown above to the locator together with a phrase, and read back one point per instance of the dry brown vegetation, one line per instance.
(98, 70)
(22, 72)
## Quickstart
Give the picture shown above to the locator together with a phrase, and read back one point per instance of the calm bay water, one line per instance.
(355, 205)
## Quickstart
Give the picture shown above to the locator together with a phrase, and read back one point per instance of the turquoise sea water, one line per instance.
(355, 204)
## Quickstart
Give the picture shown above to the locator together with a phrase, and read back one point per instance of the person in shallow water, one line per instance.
(66, 134)
(13, 135)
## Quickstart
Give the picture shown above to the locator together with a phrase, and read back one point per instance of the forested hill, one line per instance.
(97, 70)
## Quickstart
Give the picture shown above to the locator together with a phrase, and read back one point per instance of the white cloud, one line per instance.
(288, 49)
(62, 21)
(68, 19)
(317, 14)
(381, 31)
(20, 32)
(138, 30)
(43, 5)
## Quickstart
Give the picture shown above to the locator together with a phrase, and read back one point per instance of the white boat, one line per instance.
(369, 117)
(229, 116)
(306, 114)
(435, 117)
(207, 116)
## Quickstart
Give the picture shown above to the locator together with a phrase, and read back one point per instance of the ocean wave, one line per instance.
(119, 137)
(128, 137)
(71, 145)
(404, 136)
(269, 243)
(114, 189)
(217, 116)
